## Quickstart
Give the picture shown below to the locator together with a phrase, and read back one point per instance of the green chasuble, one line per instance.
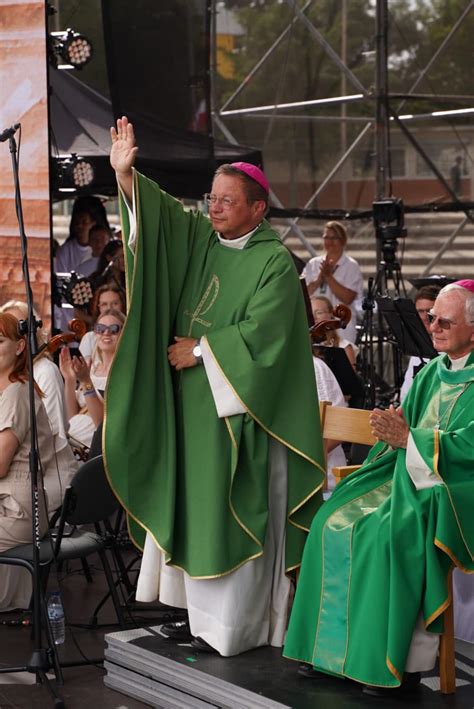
(196, 482)
(380, 551)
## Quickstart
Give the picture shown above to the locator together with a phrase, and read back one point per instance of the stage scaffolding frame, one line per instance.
(384, 114)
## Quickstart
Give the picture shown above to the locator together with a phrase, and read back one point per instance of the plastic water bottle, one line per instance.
(56, 617)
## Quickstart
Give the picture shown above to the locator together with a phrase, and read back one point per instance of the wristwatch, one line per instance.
(87, 387)
(197, 352)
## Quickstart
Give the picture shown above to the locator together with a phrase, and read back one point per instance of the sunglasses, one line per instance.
(443, 323)
(101, 329)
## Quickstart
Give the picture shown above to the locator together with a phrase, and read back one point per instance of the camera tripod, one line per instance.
(376, 389)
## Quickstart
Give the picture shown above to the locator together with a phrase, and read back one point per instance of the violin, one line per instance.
(342, 315)
(78, 330)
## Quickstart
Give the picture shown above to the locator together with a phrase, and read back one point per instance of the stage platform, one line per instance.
(144, 665)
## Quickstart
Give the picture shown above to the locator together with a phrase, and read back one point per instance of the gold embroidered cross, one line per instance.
(205, 304)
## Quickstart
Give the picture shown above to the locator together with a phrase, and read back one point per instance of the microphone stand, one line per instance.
(40, 661)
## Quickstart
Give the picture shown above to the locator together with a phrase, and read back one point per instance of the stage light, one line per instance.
(72, 47)
(73, 172)
(73, 289)
(82, 173)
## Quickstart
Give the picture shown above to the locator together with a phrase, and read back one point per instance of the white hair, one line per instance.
(468, 299)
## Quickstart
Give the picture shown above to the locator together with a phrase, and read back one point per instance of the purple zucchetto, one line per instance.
(467, 283)
(254, 172)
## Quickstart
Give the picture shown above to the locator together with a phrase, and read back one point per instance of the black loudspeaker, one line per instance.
(158, 61)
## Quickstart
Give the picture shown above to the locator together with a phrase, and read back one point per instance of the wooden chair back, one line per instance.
(346, 425)
(339, 423)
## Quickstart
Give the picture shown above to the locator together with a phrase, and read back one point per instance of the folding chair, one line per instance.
(88, 500)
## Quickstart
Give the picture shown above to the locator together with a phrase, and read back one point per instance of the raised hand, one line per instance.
(124, 150)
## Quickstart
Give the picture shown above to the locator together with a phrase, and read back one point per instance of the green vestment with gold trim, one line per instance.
(380, 551)
(199, 483)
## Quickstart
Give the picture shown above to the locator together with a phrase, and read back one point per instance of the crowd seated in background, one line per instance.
(323, 310)
(87, 212)
(15, 444)
(335, 275)
(111, 266)
(380, 550)
(49, 381)
(84, 403)
(99, 236)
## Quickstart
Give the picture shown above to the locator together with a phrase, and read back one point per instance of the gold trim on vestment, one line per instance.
(234, 513)
(349, 581)
(277, 438)
(267, 430)
(398, 675)
(295, 567)
(295, 524)
(440, 610)
(339, 517)
(438, 474)
(436, 453)
(453, 507)
(231, 433)
(125, 246)
(129, 304)
(224, 573)
(323, 567)
(451, 555)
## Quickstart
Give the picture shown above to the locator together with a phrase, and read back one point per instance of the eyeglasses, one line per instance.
(226, 202)
(101, 329)
(443, 323)
(331, 238)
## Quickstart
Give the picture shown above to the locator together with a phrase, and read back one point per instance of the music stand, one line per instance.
(338, 361)
(407, 328)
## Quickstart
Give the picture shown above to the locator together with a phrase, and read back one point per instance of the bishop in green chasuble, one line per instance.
(381, 550)
(196, 482)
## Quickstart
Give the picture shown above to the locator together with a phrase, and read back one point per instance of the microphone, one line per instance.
(9, 132)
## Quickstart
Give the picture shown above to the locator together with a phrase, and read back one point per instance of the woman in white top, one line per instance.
(106, 297)
(335, 275)
(49, 380)
(15, 480)
(85, 404)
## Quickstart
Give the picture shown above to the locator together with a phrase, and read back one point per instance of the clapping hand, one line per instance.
(326, 268)
(73, 368)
